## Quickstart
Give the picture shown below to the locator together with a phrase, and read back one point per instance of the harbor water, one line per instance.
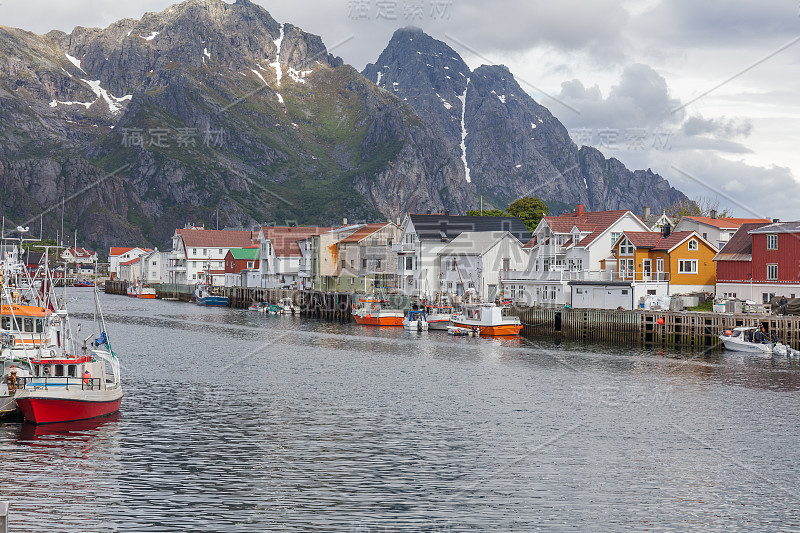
(234, 420)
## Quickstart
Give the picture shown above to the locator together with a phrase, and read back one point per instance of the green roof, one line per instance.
(244, 253)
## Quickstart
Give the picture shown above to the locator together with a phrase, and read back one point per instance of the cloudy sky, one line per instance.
(703, 92)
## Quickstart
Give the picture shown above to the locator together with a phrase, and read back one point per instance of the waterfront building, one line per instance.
(566, 248)
(241, 267)
(198, 254)
(649, 264)
(760, 262)
(423, 237)
(280, 254)
(716, 230)
(366, 261)
(122, 254)
(475, 260)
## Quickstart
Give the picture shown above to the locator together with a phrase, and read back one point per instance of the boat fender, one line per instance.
(46, 370)
(87, 376)
(419, 325)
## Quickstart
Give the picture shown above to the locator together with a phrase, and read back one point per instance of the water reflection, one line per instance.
(240, 421)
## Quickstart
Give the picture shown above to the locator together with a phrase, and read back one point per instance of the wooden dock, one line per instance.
(687, 329)
(334, 306)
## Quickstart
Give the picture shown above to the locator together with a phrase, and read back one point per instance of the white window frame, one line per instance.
(693, 245)
(682, 266)
(772, 276)
(772, 241)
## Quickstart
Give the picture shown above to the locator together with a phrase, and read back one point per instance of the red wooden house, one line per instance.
(760, 261)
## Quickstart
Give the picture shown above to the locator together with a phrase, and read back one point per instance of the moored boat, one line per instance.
(83, 284)
(492, 320)
(416, 320)
(373, 311)
(286, 306)
(438, 316)
(209, 296)
(139, 290)
(746, 339)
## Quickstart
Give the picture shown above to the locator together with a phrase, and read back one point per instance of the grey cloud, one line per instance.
(722, 127)
(640, 100)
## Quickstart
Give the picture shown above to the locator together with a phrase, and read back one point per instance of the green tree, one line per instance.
(530, 210)
(487, 213)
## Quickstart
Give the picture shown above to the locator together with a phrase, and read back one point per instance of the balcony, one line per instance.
(404, 247)
(584, 275)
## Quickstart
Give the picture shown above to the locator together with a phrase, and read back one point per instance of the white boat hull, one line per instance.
(736, 345)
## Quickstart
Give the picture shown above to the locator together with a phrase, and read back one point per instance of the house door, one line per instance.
(647, 269)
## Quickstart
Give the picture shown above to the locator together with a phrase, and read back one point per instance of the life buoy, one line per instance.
(46, 370)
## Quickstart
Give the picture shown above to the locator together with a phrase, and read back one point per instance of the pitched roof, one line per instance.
(656, 241)
(726, 223)
(740, 246)
(473, 242)
(531, 243)
(284, 239)
(131, 262)
(80, 252)
(778, 227)
(595, 222)
(211, 238)
(248, 253)
(365, 231)
(447, 227)
(119, 250)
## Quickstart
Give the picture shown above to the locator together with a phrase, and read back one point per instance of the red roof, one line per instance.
(80, 252)
(595, 222)
(131, 262)
(212, 238)
(366, 231)
(727, 223)
(118, 250)
(655, 239)
(284, 239)
(740, 247)
(531, 243)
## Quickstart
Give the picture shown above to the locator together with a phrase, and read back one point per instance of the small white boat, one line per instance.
(439, 316)
(287, 306)
(416, 320)
(261, 307)
(746, 339)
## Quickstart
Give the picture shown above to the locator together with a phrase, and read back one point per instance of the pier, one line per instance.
(687, 329)
(315, 304)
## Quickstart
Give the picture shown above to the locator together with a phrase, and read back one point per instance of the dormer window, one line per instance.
(693, 245)
(626, 247)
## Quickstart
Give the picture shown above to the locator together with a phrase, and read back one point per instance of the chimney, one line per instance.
(713, 213)
(666, 230)
(646, 212)
(580, 210)
(344, 221)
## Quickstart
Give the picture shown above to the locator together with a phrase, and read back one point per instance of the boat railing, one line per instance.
(68, 382)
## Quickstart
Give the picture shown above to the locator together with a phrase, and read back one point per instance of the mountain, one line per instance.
(209, 108)
(510, 145)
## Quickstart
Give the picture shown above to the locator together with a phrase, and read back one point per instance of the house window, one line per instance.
(194, 251)
(377, 264)
(220, 251)
(650, 292)
(205, 251)
(659, 265)
(363, 263)
(626, 247)
(767, 296)
(705, 236)
(693, 244)
(389, 241)
(453, 265)
(409, 263)
(772, 242)
(344, 263)
(687, 266)
(506, 263)
(615, 235)
(772, 272)
(625, 291)
(250, 264)
(449, 284)
(352, 263)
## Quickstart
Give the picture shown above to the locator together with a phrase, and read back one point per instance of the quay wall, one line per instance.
(688, 329)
